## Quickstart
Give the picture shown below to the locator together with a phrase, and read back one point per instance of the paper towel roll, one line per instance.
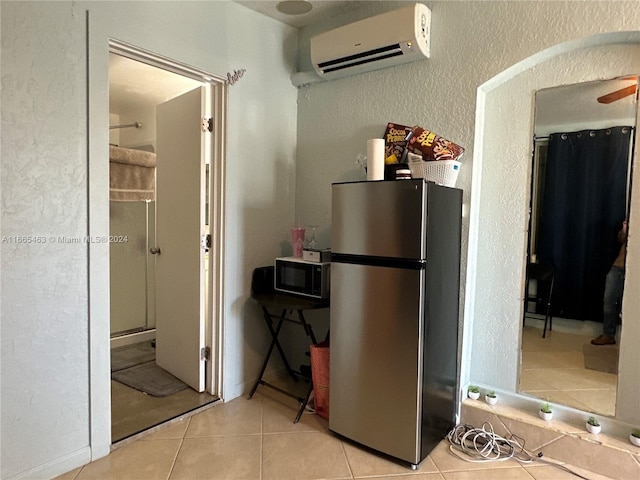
(375, 159)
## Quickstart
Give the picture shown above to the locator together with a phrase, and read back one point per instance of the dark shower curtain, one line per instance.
(584, 204)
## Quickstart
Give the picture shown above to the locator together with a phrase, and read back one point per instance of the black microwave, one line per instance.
(302, 277)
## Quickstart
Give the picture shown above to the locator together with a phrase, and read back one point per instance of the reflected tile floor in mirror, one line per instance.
(553, 369)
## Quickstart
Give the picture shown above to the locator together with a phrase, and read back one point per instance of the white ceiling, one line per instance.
(577, 104)
(135, 84)
(321, 10)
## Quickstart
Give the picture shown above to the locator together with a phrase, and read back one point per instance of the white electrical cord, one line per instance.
(484, 445)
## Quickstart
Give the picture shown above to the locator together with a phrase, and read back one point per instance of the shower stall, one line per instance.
(132, 233)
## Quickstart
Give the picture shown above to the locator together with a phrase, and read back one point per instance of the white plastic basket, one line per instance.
(443, 172)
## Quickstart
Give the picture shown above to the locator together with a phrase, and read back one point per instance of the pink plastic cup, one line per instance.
(297, 240)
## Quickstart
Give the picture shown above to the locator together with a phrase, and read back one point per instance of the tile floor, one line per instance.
(257, 440)
(133, 411)
(553, 369)
(566, 441)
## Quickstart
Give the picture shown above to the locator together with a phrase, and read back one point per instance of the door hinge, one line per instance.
(207, 124)
(205, 353)
(206, 242)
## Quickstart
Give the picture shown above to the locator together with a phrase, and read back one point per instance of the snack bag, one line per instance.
(395, 142)
(432, 146)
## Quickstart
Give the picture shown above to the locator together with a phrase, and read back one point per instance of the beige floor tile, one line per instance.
(366, 463)
(490, 473)
(568, 382)
(238, 417)
(619, 464)
(533, 436)
(535, 359)
(609, 379)
(555, 341)
(446, 461)
(175, 429)
(574, 378)
(621, 444)
(417, 476)
(279, 414)
(299, 456)
(69, 475)
(233, 457)
(532, 340)
(138, 460)
(549, 472)
(133, 411)
(532, 380)
(567, 341)
(601, 401)
(560, 397)
(271, 447)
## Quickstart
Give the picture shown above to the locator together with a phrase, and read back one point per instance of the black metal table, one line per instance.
(286, 305)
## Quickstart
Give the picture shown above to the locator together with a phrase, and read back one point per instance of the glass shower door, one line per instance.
(132, 268)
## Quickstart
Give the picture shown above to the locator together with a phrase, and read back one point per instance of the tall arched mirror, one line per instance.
(576, 246)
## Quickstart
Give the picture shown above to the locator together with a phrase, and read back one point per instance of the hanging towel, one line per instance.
(132, 174)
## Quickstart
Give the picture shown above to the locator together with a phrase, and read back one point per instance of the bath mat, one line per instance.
(149, 378)
(131, 355)
(602, 358)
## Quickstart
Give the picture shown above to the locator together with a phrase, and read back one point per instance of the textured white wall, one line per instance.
(135, 137)
(55, 402)
(45, 403)
(472, 42)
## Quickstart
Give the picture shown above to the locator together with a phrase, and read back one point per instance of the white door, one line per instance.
(180, 225)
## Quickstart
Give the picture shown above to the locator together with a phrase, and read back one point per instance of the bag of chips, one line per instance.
(432, 146)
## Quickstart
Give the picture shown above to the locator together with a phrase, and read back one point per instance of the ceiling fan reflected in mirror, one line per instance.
(620, 93)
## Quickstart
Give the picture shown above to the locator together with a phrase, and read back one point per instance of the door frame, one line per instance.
(217, 106)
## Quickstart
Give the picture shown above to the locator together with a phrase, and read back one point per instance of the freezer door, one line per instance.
(376, 351)
(379, 219)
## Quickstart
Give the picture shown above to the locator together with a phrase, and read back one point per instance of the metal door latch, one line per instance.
(205, 353)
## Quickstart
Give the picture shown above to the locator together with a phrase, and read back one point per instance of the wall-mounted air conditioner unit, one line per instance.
(392, 38)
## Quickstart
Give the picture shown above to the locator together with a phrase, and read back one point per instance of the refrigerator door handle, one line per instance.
(391, 262)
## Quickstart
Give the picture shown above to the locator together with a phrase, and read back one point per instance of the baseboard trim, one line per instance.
(58, 466)
(132, 338)
(564, 440)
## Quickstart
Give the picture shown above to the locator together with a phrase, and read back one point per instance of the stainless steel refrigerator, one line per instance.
(395, 282)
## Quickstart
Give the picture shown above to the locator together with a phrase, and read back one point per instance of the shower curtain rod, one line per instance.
(536, 139)
(129, 125)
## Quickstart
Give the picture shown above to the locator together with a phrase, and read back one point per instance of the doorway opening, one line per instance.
(166, 125)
